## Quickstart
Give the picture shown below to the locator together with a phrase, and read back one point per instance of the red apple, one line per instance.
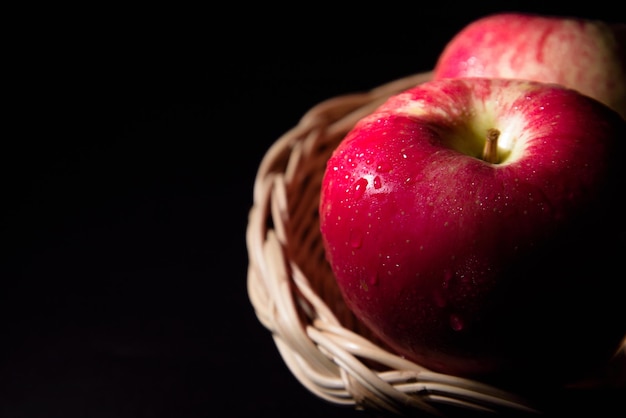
(584, 54)
(477, 227)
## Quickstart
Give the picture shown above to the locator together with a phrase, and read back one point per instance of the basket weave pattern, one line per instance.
(292, 289)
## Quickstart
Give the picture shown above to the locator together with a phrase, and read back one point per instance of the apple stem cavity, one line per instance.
(490, 151)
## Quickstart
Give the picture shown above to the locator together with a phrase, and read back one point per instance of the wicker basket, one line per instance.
(294, 295)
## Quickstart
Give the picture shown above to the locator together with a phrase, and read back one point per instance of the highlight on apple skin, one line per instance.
(493, 259)
(583, 54)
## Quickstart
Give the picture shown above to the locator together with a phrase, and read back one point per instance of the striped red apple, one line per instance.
(585, 54)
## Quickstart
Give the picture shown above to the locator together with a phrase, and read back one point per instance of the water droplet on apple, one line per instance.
(356, 238)
(456, 322)
(377, 182)
(383, 167)
(359, 187)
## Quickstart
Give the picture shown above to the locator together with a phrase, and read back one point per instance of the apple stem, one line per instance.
(490, 151)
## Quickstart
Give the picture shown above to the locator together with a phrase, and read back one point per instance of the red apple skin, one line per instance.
(478, 269)
(584, 54)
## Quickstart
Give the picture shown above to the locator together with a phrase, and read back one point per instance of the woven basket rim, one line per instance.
(329, 359)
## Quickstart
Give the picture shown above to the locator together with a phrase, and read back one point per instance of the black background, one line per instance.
(131, 143)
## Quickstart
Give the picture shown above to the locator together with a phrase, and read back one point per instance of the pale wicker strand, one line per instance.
(258, 297)
(278, 205)
(282, 146)
(310, 379)
(384, 394)
(323, 316)
(417, 379)
(363, 345)
(258, 290)
(277, 314)
(403, 370)
(295, 157)
(287, 321)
